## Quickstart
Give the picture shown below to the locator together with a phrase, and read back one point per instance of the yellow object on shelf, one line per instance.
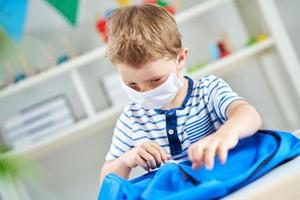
(124, 2)
(261, 37)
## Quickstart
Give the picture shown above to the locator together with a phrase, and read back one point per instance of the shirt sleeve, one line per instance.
(121, 139)
(218, 95)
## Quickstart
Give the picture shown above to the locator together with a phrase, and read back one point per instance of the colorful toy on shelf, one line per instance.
(12, 76)
(101, 25)
(62, 58)
(52, 53)
(27, 68)
(163, 4)
(9, 75)
(124, 2)
(227, 43)
(108, 13)
(261, 37)
(101, 22)
(258, 38)
(56, 60)
(214, 51)
(19, 77)
(68, 48)
(223, 51)
(251, 40)
(71, 53)
(222, 48)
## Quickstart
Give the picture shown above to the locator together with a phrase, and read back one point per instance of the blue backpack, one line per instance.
(250, 159)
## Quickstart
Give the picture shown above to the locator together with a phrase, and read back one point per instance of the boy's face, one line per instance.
(152, 74)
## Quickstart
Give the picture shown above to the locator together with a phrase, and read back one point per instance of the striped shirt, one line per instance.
(202, 112)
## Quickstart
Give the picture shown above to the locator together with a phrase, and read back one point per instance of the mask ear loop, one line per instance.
(180, 72)
(177, 57)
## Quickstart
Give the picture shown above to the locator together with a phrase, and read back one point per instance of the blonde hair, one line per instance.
(142, 33)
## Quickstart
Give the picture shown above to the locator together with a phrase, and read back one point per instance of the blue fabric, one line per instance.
(250, 159)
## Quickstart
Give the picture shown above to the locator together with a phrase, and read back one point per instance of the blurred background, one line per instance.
(58, 102)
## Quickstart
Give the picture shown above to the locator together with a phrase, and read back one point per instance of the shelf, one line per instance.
(54, 71)
(98, 53)
(109, 115)
(198, 9)
(81, 129)
(231, 60)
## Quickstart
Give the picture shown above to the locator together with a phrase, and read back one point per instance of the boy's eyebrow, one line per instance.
(156, 77)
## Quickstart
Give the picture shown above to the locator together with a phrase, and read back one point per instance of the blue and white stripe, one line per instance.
(202, 113)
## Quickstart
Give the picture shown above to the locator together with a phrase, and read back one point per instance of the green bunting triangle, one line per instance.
(68, 8)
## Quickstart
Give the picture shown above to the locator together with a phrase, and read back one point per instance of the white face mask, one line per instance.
(157, 97)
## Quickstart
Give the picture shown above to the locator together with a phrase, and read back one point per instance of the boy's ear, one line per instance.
(182, 58)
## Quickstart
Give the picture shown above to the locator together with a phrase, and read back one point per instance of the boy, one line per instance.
(172, 116)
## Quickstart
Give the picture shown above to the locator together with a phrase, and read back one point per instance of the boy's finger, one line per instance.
(209, 156)
(168, 157)
(161, 151)
(198, 160)
(156, 155)
(196, 164)
(223, 153)
(190, 156)
(190, 153)
(148, 158)
(141, 162)
(198, 154)
(164, 156)
(193, 157)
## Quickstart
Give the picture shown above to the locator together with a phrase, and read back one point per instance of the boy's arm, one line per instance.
(243, 121)
(117, 166)
(147, 155)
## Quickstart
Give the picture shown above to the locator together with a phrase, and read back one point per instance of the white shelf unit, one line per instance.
(54, 71)
(81, 129)
(229, 62)
(108, 116)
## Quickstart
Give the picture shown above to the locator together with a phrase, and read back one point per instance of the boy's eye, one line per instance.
(156, 80)
(131, 84)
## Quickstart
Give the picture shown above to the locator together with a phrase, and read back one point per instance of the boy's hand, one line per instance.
(204, 150)
(147, 155)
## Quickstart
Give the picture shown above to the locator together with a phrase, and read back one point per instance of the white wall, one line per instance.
(289, 11)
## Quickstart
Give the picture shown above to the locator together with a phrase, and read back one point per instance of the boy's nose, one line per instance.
(144, 88)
